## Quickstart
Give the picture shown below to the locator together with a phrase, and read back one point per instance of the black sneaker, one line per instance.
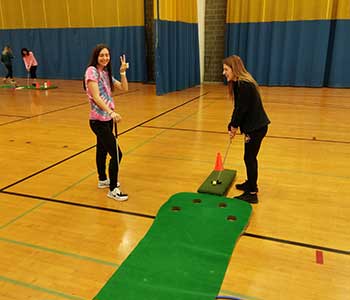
(244, 186)
(248, 197)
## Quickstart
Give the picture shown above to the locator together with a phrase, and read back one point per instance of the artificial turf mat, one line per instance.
(27, 87)
(226, 178)
(30, 87)
(185, 253)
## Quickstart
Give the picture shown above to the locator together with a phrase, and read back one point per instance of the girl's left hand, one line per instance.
(123, 64)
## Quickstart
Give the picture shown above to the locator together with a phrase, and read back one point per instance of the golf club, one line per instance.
(217, 181)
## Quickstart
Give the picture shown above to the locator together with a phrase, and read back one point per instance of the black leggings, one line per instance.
(251, 149)
(32, 71)
(106, 143)
(9, 71)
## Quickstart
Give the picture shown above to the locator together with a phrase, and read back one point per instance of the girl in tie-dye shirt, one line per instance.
(99, 84)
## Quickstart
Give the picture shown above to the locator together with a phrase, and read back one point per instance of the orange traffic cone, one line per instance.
(37, 85)
(218, 164)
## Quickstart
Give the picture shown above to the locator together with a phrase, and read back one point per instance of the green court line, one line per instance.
(39, 289)
(68, 254)
(237, 295)
(163, 130)
(212, 161)
(22, 215)
(126, 153)
(242, 165)
(73, 185)
(176, 123)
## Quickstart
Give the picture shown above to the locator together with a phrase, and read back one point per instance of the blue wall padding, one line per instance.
(64, 53)
(294, 53)
(177, 56)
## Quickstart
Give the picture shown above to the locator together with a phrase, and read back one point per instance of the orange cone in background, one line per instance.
(48, 83)
(37, 85)
(218, 164)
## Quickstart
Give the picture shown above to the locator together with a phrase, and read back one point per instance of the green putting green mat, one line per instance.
(27, 87)
(30, 87)
(226, 179)
(185, 253)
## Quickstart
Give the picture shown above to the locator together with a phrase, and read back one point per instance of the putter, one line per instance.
(217, 181)
(116, 141)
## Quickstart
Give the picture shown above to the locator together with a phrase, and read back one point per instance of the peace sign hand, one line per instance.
(123, 64)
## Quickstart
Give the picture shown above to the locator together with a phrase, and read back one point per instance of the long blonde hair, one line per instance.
(6, 50)
(239, 71)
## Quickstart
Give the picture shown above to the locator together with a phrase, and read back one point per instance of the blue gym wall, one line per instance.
(294, 43)
(63, 35)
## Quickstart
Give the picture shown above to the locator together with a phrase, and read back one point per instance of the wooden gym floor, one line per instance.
(62, 238)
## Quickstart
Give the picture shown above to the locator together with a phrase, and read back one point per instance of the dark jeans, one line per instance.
(32, 71)
(9, 71)
(251, 149)
(106, 143)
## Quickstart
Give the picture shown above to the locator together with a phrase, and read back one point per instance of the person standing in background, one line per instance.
(30, 63)
(6, 59)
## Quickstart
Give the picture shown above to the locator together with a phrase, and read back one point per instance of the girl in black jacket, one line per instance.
(250, 117)
(6, 59)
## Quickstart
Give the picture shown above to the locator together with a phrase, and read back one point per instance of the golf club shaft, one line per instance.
(228, 147)
(116, 140)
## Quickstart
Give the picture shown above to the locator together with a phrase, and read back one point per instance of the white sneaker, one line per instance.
(105, 183)
(116, 194)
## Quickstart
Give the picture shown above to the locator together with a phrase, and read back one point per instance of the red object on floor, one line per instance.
(218, 164)
(319, 257)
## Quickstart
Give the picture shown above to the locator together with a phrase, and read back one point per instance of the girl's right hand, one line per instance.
(116, 117)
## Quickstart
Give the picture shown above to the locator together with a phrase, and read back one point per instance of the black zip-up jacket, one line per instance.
(248, 113)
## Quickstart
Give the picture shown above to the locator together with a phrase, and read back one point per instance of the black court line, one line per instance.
(338, 251)
(91, 147)
(13, 116)
(126, 93)
(56, 110)
(163, 113)
(46, 113)
(45, 169)
(267, 136)
(80, 204)
(282, 241)
(247, 234)
(318, 105)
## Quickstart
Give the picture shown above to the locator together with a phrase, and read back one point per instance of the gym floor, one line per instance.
(62, 238)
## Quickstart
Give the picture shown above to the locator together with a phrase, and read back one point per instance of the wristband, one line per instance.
(122, 73)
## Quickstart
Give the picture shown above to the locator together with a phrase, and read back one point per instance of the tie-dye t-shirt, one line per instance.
(104, 87)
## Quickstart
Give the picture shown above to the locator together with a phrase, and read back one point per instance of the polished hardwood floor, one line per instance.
(62, 238)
